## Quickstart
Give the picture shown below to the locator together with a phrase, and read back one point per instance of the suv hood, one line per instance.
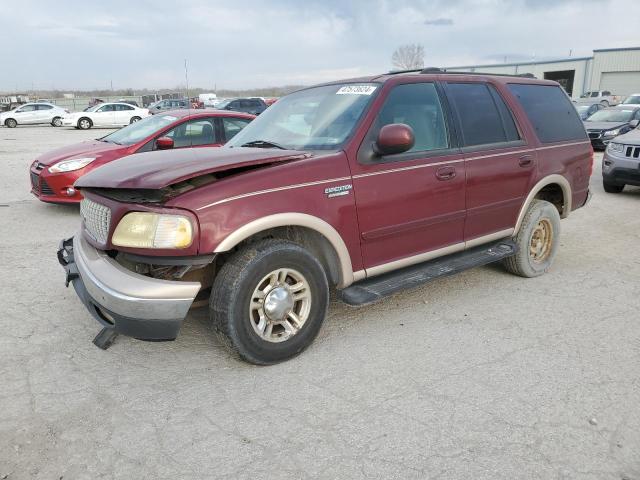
(604, 125)
(630, 138)
(159, 169)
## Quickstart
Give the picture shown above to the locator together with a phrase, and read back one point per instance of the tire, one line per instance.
(134, 120)
(10, 123)
(85, 123)
(612, 187)
(542, 221)
(237, 318)
(604, 103)
(56, 122)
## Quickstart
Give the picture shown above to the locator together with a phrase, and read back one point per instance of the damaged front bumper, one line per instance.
(123, 301)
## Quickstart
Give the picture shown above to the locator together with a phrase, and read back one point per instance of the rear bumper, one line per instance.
(131, 304)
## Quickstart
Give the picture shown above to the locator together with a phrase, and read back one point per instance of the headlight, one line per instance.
(612, 133)
(615, 147)
(71, 165)
(153, 230)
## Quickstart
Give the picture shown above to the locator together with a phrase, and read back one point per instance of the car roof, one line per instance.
(626, 106)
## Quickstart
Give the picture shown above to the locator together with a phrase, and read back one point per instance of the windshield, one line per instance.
(139, 130)
(585, 95)
(612, 115)
(94, 108)
(632, 100)
(320, 118)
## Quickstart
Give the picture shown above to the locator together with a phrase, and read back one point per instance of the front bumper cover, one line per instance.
(131, 304)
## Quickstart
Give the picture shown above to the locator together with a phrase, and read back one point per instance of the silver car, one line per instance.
(621, 162)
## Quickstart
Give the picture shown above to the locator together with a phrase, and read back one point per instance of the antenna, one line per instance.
(186, 76)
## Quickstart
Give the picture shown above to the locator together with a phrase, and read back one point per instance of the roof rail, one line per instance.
(436, 70)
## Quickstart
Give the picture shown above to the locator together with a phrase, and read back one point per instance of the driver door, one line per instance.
(26, 115)
(105, 115)
(411, 205)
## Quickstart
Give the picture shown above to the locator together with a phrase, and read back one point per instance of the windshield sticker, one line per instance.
(169, 117)
(356, 90)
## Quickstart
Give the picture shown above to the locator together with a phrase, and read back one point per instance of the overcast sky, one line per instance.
(249, 43)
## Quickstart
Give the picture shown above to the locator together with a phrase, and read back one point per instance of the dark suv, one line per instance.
(254, 106)
(367, 186)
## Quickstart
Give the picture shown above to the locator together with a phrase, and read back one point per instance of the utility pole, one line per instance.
(186, 76)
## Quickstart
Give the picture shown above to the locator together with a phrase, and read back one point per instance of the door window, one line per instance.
(417, 105)
(121, 107)
(43, 107)
(483, 115)
(194, 133)
(232, 126)
(106, 108)
(26, 108)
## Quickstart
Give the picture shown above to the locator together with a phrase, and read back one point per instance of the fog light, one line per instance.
(71, 191)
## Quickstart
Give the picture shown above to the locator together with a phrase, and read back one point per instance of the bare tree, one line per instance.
(408, 57)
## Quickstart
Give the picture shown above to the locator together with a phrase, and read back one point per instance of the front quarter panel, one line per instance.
(296, 187)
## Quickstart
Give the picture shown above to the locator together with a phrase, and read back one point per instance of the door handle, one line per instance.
(446, 173)
(525, 160)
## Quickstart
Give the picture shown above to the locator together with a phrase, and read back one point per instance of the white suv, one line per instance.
(33, 114)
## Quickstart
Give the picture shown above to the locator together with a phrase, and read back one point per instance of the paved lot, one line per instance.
(478, 376)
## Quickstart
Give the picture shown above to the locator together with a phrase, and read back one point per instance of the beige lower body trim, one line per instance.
(441, 252)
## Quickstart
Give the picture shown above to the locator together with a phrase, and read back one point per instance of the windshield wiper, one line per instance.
(263, 144)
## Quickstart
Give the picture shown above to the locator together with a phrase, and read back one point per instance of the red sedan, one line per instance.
(54, 173)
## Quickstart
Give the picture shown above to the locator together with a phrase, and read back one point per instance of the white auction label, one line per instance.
(356, 90)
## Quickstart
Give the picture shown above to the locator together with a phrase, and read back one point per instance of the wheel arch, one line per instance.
(548, 189)
(84, 118)
(312, 232)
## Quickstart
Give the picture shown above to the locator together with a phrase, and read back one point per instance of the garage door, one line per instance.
(620, 83)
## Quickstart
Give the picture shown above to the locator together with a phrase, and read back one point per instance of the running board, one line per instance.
(373, 289)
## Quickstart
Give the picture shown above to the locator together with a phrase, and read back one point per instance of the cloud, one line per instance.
(439, 22)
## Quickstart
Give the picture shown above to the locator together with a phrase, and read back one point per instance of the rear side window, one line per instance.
(483, 115)
(550, 111)
(44, 107)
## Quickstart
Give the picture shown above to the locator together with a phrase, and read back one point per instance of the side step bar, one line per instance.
(373, 289)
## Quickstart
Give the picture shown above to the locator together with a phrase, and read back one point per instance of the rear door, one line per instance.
(123, 114)
(43, 113)
(499, 163)
(410, 205)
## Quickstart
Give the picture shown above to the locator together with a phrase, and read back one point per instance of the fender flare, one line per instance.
(293, 219)
(548, 180)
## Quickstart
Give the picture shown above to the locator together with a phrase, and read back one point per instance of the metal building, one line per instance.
(613, 69)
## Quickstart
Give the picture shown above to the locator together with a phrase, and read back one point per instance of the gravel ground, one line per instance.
(479, 376)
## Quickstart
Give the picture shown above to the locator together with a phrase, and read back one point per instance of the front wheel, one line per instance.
(134, 119)
(269, 300)
(612, 187)
(537, 241)
(11, 123)
(56, 122)
(84, 124)
(604, 103)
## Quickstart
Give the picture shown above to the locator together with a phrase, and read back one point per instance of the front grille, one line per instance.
(35, 181)
(631, 151)
(96, 219)
(45, 189)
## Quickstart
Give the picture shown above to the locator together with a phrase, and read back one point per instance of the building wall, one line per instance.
(622, 60)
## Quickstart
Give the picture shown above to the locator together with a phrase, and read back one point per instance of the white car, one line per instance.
(33, 114)
(633, 99)
(114, 114)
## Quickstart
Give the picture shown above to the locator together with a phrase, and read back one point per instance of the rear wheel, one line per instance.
(604, 103)
(269, 300)
(537, 241)
(56, 122)
(134, 119)
(11, 123)
(612, 187)
(84, 123)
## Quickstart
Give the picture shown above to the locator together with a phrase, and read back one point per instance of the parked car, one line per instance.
(621, 162)
(33, 114)
(604, 97)
(633, 99)
(585, 111)
(54, 173)
(605, 125)
(105, 115)
(254, 106)
(395, 180)
(169, 104)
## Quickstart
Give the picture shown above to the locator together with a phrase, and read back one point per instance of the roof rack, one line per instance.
(432, 70)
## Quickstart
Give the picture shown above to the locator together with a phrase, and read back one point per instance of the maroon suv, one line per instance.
(369, 185)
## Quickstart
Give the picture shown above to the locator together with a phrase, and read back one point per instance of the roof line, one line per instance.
(617, 49)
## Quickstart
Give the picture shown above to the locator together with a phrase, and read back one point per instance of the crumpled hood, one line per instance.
(159, 169)
(90, 148)
(604, 125)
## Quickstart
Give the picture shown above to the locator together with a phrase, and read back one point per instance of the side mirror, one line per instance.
(164, 143)
(394, 138)
(634, 123)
